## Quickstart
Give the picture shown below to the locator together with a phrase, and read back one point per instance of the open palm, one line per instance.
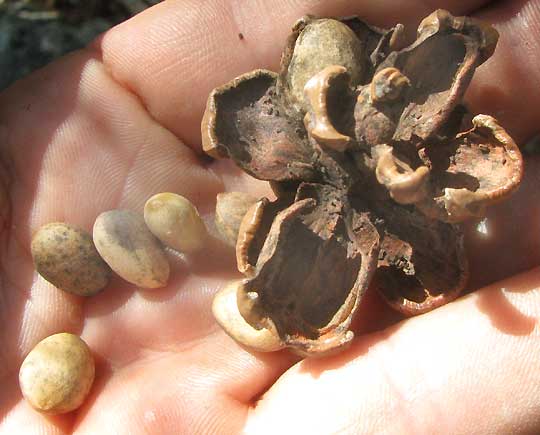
(109, 126)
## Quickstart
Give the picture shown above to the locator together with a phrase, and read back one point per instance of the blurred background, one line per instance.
(34, 32)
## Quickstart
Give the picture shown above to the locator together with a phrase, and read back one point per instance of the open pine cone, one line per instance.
(375, 163)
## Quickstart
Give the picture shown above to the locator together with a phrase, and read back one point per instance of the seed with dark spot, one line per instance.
(67, 258)
(130, 249)
(57, 374)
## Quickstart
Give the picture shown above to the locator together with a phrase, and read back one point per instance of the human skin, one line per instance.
(109, 126)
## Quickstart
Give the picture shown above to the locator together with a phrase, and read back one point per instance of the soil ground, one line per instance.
(34, 32)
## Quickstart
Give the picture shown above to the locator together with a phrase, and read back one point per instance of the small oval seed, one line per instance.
(175, 221)
(67, 258)
(323, 43)
(56, 376)
(231, 208)
(130, 249)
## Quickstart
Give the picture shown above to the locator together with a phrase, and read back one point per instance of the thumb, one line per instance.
(472, 366)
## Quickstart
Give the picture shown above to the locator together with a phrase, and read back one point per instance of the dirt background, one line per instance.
(34, 32)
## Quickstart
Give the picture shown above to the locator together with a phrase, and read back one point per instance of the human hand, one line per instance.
(110, 126)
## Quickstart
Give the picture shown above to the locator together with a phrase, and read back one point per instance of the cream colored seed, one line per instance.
(320, 44)
(67, 258)
(175, 221)
(130, 249)
(225, 310)
(231, 208)
(56, 376)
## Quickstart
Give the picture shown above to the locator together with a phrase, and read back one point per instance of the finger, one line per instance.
(472, 366)
(80, 143)
(507, 241)
(508, 85)
(175, 53)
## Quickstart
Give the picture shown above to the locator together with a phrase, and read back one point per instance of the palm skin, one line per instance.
(110, 126)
